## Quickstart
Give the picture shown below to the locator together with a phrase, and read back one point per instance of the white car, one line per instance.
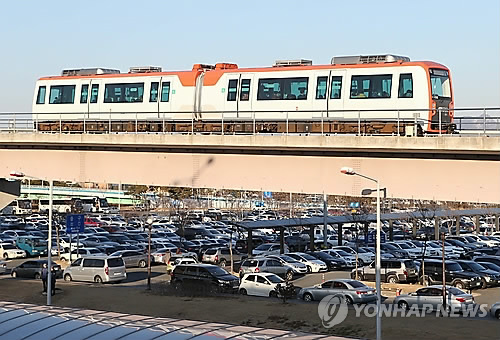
(82, 252)
(260, 284)
(313, 265)
(10, 251)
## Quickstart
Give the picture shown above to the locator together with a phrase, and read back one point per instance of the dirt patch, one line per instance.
(161, 301)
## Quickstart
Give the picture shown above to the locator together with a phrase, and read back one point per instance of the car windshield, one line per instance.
(455, 291)
(342, 253)
(433, 245)
(8, 246)
(483, 238)
(264, 247)
(403, 245)
(308, 257)
(274, 278)
(453, 267)
(288, 259)
(356, 284)
(418, 243)
(409, 263)
(216, 271)
(491, 266)
(325, 256)
(470, 239)
(476, 266)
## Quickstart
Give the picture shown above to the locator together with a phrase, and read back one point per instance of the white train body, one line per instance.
(392, 90)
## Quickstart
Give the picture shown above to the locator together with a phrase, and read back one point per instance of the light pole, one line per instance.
(49, 243)
(149, 221)
(351, 172)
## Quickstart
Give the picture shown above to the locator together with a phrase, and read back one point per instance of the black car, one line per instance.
(454, 275)
(32, 269)
(491, 259)
(203, 277)
(331, 262)
(489, 278)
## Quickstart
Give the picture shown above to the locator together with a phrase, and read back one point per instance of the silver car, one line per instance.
(96, 269)
(353, 291)
(266, 265)
(132, 258)
(495, 310)
(433, 296)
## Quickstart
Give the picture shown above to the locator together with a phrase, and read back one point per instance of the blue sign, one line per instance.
(75, 223)
(267, 194)
(354, 205)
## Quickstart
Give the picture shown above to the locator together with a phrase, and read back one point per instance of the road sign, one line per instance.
(75, 223)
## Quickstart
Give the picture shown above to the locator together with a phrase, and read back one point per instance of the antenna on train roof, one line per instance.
(88, 71)
(144, 69)
(296, 62)
(369, 59)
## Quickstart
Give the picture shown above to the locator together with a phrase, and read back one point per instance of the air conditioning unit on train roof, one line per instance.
(296, 62)
(88, 71)
(368, 59)
(144, 69)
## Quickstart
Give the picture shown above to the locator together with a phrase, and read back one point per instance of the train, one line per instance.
(386, 94)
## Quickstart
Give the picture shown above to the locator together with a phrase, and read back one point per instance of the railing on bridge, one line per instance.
(468, 121)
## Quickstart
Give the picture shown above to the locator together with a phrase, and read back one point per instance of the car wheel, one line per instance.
(6, 256)
(98, 279)
(13, 274)
(273, 294)
(308, 297)
(392, 279)
(37, 276)
(459, 285)
(309, 269)
(348, 300)
(243, 291)
(67, 277)
(361, 277)
(403, 305)
(222, 263)
(497, 314)
(142, 264)
(484, 284)
(289, 275)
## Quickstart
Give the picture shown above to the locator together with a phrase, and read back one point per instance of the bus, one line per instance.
(95, 204)
(32, 245)
(62, 206)
(21, 206)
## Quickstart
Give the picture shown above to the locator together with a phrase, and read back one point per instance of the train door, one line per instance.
(165, 97)
(96, 92)
(231, 96)
(338, 92)
(246, 95)
(319, 93)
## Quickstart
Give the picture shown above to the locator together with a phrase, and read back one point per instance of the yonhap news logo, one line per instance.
(332, 310)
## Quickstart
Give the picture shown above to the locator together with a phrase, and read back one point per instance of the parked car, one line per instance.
(81, 252)
(489, 278)
(298, 267)
(96, 269)
(490, 259)
(456, 299)
(203, 276)
(33, 269)
(331, 262)
(495, 310)
(174, 262)
(391, 271)
(454, 275)
(221, 256)
(269, 249)
(353, 291)
(132, 258)
(266, 265)
(340, 254)
(363, 256)
(260, 284)
(313, 265)
(9, 251)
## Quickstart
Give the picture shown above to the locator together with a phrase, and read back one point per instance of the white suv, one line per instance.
(10, 251)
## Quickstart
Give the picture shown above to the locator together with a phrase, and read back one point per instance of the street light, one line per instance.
(351, 172)
(149, 222)
(18, 174)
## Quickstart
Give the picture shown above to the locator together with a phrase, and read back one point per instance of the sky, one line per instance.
(41, 38)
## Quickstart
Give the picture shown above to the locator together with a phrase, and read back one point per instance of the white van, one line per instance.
(96, 269)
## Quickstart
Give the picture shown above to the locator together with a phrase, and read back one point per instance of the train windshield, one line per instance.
(24, 204)
(440, 84)
(103, 202)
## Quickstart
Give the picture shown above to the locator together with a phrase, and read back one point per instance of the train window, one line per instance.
(285, 88)
(232, 89)
(94, 93)
(153, 94)
(336, 91)
(245, 90)
(165, 91)
(40, 98)
(124, 93)
(371, 86)
(62, 94)
(84, 95)
(405, 85)
(321, 88)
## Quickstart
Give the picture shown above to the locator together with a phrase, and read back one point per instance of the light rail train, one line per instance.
(378, 94)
